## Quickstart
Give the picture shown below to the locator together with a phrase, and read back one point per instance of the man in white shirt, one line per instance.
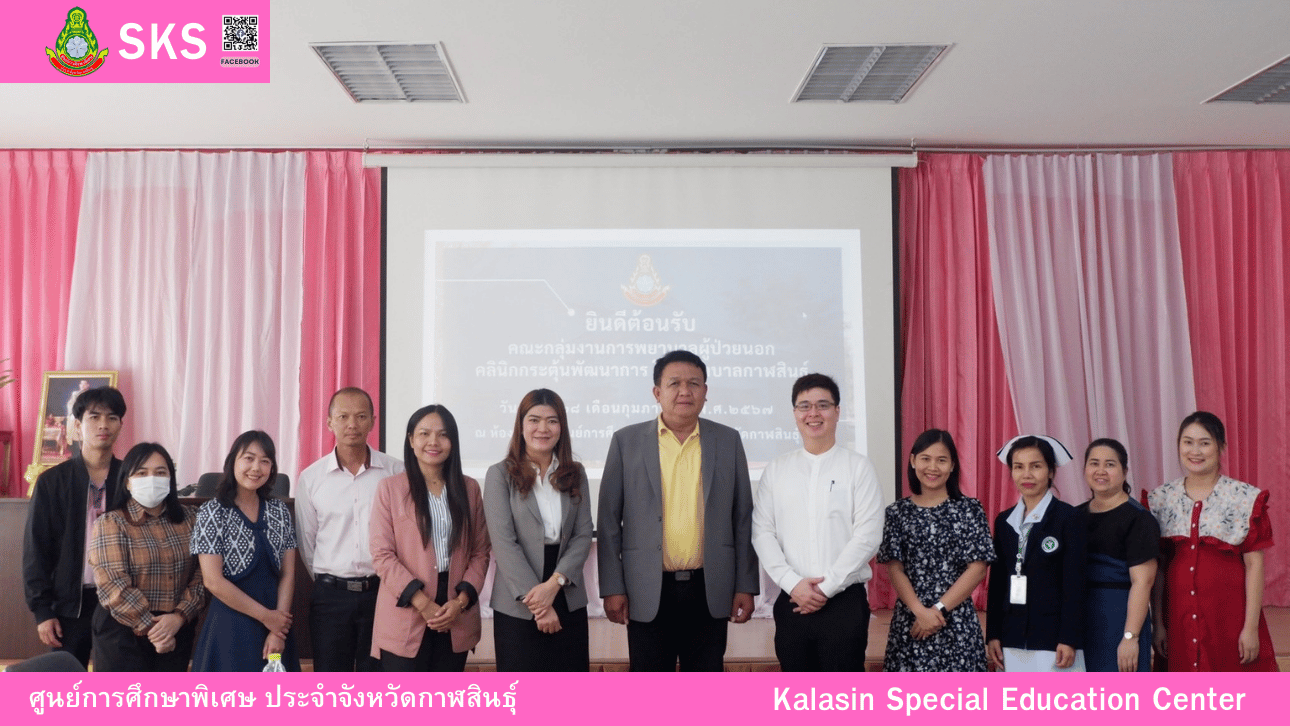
(817, 521)
(333, 512)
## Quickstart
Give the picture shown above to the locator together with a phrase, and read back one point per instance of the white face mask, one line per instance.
(149, 491)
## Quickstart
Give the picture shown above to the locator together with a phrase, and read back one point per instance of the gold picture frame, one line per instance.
(55, 428)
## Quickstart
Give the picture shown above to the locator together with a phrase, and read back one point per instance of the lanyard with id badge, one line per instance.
(1017, 589)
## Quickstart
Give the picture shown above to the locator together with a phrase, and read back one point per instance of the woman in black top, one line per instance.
(1123, 543)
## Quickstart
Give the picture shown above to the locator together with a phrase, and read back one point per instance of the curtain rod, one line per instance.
(1089, 149)
(689, 149)
(394, 149)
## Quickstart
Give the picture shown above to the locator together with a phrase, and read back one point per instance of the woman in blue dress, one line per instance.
(246, 546)
(1123, 544)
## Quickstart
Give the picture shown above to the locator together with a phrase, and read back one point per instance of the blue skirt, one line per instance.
(1105, 608)
(232, 641)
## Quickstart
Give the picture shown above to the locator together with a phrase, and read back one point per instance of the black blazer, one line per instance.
(53, 545)
(1054, 609)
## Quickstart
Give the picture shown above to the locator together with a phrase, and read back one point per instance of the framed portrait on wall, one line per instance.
(57, 430)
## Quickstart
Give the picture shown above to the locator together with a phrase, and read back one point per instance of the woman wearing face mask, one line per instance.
(149, 586)
(936, 545)
(1034, 616)
(539, 520)
(1213, 530)
(1123, 543)
(246, 544)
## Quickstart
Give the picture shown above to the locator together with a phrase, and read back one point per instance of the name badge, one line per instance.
(1017, 594)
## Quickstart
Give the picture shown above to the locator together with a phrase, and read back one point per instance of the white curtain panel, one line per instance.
(188, 280)
(1092, 313)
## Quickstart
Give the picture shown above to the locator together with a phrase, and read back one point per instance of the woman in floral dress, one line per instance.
(936, 545)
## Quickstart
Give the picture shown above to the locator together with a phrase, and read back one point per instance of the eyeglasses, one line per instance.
(821, 406)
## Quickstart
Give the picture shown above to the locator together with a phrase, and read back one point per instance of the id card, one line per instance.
(1017, 595)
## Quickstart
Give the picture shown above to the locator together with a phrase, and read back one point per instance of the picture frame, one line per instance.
(56, 430)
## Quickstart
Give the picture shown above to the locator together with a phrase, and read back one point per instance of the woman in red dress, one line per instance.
(1213, 530)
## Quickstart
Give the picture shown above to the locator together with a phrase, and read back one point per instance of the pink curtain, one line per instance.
(188, 282)
(341, 323)
(1234, 220)
(953, 372)
(1092, 311)
(40, 199)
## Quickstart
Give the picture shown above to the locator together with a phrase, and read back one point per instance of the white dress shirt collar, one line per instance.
(372, 461)
(1015, 517)
(832, 450)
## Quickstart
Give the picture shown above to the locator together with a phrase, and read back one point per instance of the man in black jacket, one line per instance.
(64, 504)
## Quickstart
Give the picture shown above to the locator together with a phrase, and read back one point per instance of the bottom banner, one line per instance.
(638, 698)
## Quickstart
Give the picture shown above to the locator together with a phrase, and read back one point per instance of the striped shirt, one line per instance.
(440, 528)
(142, 565)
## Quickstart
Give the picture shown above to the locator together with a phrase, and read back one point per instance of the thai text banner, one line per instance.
(196, 699)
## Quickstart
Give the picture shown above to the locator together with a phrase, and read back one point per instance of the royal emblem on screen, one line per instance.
(645, 287)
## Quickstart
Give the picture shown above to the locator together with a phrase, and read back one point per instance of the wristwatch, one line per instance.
(939, 606)
(1128, 635)
(561, 580)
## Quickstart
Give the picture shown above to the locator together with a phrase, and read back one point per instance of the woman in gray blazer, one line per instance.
(538, 511)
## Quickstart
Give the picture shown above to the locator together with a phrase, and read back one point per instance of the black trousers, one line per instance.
(78, 633)
(117, 648)
(683, 630)
(435, 653)
(522, 647)
(833, 638)
(340, 629)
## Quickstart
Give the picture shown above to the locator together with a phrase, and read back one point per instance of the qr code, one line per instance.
(241, 33)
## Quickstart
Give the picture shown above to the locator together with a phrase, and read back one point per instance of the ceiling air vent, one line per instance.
(391, 71)
(867, 72)
(1270, 85)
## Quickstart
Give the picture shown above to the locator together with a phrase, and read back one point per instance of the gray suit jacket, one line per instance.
(515, 526)
(630, 519)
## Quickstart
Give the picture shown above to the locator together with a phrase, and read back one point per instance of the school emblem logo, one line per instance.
(645, 288)
(76, 52)
(1049, 544)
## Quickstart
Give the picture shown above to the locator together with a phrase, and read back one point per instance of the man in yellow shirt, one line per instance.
(675, 528)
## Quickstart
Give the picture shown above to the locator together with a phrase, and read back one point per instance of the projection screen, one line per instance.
(576, 272)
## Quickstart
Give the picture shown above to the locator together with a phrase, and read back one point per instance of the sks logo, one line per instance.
(76, 52)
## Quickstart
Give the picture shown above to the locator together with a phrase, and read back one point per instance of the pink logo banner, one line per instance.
(135, 41)
(934, 699)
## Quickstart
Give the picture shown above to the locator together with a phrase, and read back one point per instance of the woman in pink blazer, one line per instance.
(430, 548)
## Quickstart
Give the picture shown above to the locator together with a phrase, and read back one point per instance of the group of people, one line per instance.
(1089, 587)
(113, 563)
(398, 549)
